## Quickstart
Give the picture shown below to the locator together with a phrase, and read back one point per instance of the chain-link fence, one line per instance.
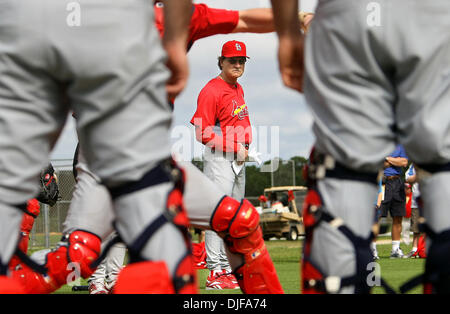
(284, 173)
(48, 225)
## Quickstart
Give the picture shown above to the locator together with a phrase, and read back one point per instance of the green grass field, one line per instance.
(286, 257)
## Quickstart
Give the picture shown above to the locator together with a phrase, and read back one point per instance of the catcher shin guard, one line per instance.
(336, 254)
(64, 264)
(10, 286)
(433, 202)
(31, 212)
(144, 277)
(314, 280)
(436, 278)
(155, 275)
(238, 224)
(310, 273)
(10, 220)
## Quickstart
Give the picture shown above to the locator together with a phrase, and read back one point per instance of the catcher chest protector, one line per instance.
(315, 281)
(152, 277)
(238, 224)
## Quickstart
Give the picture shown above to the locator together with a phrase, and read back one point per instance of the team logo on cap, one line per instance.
(238, 47)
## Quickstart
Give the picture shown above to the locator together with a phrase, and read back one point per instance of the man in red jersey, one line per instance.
(222, 124)
(205, 22)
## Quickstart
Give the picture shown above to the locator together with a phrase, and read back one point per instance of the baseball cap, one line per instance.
(234, 48)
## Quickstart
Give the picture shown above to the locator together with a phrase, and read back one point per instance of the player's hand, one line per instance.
(178, 65)
(242, 155)
(290, 57)
(386, 163)
(305, 20)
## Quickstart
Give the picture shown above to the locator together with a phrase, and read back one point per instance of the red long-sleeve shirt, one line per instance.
(222, 104)
(205, 21)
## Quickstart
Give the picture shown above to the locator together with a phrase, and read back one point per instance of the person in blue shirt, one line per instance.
(394, 200)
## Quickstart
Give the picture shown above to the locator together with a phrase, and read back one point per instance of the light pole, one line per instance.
(271, 172)
(293, 171)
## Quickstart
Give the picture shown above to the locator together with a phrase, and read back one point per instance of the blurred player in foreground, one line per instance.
(144, 231)
(370, 85)
(44, 74)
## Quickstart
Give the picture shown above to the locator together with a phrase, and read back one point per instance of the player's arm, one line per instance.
(291, 42)
(208, 137)
(411, 179)
(410, 175)
(214, 141)
(379, 199)
(397, 161)
(260, 20)
(177, 14)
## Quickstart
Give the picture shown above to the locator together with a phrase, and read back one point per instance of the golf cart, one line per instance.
(281, 212)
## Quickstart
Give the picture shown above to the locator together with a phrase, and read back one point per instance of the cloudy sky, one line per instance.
(274, 110)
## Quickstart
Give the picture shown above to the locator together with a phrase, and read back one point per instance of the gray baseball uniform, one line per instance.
(377, 73)
(112, 74)
(107, 272)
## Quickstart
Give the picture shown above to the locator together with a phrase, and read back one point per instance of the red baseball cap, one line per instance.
(234, 48)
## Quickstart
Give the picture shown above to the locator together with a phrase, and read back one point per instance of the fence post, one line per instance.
(33, 238)
(46, 226)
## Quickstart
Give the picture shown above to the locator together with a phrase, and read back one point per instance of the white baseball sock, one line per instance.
(395, 245)
(373, 247)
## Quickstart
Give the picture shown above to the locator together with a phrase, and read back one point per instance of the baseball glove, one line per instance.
(49, 192)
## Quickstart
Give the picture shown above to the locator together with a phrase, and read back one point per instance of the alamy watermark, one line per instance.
(374, 277)
(74, 276)
(73, 18)
(374, 14)
(265, 141)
